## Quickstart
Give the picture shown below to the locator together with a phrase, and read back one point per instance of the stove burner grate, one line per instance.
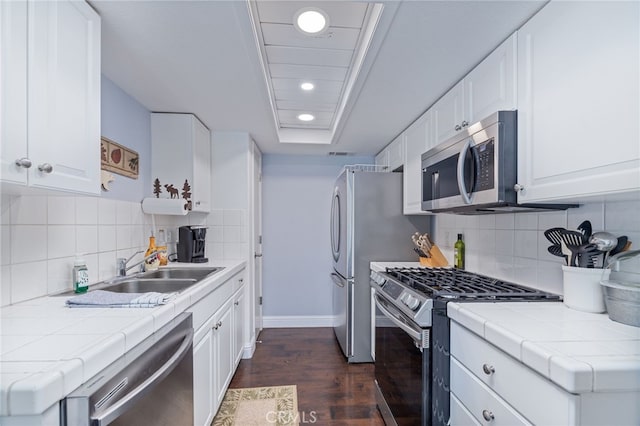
(458, 284)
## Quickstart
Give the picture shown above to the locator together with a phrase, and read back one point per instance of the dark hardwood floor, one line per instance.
(330, 391)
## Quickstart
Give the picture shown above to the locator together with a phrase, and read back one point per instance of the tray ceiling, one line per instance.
(330, 60)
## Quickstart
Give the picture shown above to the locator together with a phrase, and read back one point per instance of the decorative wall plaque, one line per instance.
(118, 159)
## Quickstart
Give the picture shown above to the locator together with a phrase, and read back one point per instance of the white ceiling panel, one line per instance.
(290, 118)
(321, 86)
(308, 56)
(341, 13)
(307, 71)
(287, 35)
(303, 105)
(296, 95)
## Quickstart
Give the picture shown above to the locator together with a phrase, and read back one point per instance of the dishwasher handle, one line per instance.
(120, 406)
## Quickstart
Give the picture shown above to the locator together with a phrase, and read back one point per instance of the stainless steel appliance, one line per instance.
(150, 385)
(412, 336)
(476, 172)
(191, 244)
(367, 224)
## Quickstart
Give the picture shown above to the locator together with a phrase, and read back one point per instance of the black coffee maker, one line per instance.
(191, 242)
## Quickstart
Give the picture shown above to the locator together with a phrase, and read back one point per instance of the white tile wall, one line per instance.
(513, 246)
(40, 235)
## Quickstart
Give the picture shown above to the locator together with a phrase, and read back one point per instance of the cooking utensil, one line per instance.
(565, 251)
(571, 238)
(581, 255)
(622, 241)
(605, 241)
(556, 250)
(554, 235)
(586, 230)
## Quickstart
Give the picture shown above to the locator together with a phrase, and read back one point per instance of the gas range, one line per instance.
(413, 290)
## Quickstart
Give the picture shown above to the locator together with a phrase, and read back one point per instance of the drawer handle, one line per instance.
(488, 369)
(487, 415)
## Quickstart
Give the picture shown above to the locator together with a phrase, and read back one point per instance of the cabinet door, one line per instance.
(448, 113)
(202, 382)
(201, 168)
(222, 352)
(419, 139)
(238, 326)
(491, 86)
(13, 90)
(579, 101)
(382, 159)
(64, 95)
(396, 153)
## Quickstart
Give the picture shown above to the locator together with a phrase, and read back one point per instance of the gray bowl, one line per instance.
(622, 300)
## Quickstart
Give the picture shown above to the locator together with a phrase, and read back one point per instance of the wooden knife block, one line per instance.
(437, 259)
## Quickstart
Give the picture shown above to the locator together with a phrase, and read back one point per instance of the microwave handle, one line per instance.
(466, 196)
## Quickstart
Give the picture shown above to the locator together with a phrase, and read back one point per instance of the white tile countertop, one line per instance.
(579, 351)
(47, 350)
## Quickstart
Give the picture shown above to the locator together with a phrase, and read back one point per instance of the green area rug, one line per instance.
(274, 405)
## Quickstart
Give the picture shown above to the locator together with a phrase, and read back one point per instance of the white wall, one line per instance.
(296, 248)
(513, 247)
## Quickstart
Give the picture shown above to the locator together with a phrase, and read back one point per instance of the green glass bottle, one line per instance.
(458, 253)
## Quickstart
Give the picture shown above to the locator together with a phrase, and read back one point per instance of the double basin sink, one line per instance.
(165, 280)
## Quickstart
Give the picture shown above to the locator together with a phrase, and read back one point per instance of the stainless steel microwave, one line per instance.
(475, 173)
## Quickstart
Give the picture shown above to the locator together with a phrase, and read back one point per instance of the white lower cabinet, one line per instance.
(494, 388)
(218, 343)
(202, 382)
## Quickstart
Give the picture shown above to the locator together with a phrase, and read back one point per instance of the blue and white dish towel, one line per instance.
(110, 299)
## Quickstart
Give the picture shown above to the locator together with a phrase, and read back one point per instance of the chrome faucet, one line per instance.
(121, 263)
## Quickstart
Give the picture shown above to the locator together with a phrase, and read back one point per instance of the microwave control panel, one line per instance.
(484, 153)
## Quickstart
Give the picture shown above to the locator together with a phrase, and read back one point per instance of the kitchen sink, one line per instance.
(164, 280)
(187, 273)
(144, 285)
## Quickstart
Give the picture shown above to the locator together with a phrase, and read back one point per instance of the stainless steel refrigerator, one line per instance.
(367, 224)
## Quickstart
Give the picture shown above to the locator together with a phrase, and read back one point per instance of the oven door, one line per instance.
(402, 367)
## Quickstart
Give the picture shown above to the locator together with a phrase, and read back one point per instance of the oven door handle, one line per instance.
(462, 157)
(416, 335)
(122, 405)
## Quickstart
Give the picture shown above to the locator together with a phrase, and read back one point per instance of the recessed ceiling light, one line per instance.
(307, 86)
(305, 117)
(311, 20)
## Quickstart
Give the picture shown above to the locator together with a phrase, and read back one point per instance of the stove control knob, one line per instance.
(411, 302)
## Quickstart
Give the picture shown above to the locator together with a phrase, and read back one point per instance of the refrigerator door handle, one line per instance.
(337, 279)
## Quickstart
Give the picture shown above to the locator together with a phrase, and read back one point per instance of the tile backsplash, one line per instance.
(40, 235)
(513, 246)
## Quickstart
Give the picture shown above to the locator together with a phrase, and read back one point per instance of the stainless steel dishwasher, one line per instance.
(150, 385)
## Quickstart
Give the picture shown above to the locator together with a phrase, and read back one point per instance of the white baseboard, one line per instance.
(297, 321)
(247, 351)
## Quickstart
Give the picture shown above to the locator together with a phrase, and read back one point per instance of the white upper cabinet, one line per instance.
(50, 85)
(579, 101)
(418, 139)
(382, 159)
(489, 87)
(396, 153)
(181, 158)
(448, 113)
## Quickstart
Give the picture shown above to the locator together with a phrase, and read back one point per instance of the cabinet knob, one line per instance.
(240, 280)
(518, 188)
(45, 168)
(237, 303)
(488, 369)
(465, 123)
(23, 162)
(487, 415)
(458, 127)
(197, 203)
